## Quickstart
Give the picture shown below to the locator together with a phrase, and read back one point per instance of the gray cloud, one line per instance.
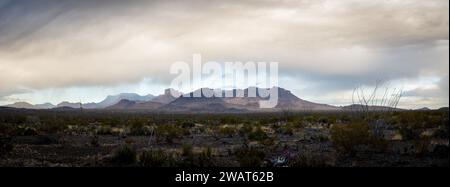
(441, 90)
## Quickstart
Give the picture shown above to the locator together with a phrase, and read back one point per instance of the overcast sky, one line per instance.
(57, 50)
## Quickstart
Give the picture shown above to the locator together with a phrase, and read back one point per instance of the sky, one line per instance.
(84, 50)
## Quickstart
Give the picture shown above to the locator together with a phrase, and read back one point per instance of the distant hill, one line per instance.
(108, 101)
(21, 105)
(26, 105)
(114, 99)
(64, 108)
(44, 106)
(443, 109)
(166, 102)
(90, 105)
(166, 97)
(135, 105)
(196, 104)
(424, 109)
(286, 101)
(358, 107)
(68, 104)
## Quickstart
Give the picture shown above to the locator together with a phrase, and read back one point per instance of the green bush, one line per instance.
(410, 132)
(124, 155)
(286, 130)
(5, 145)
(52, 126)
(187, 124)
(249, 157)
(170, 132)
(23, 130)
(207, 152)
(191, 159)
(227, 131)
(94, 141)
(246, 129)
(442, 133)
(347, 138)
(257, 135)
(141, 130)
(187, 150)
(104, 130)
(296, 124)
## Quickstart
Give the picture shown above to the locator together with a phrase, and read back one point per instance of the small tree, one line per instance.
(372, 103)
(380, 98)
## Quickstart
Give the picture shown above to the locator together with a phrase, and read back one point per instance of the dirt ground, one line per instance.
(65, 150)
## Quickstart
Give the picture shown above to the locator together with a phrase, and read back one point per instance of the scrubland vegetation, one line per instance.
(285, 139)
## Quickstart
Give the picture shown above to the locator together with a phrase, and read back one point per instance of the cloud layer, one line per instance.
(325, 46)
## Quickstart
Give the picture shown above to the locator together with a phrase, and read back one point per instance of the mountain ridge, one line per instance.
(166, 102)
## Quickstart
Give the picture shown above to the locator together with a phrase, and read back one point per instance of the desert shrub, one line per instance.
(77, 129)
(137, 122)
(170, 132)
(227, 131)
(94, 141)
(14, 118)
(23, 130)
(433, 121)
(207, 152)
(136, 130)
(442, 133)
(203, 160)
(348, 138)
(129, 141)
(378, 144)
(312, 118)
(421, 145)
(268, 141)
(257, 135)
(5, 145)
(141, 130)
(7, 129)
(191, 159)
(410, 132)
(249, 157)
(158, 158)
(344, 118)
(320, 138)
(298, 124)
(52, 127)
(441, 151)
(286, 130)
(124, 155)
(245, 129)
(104, 130)
(187, 150)
(187, 124)
(325, 119)
(48, 139)
(229, 119)
(419, 119)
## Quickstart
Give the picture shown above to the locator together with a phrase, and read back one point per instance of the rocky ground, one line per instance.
(306, 147)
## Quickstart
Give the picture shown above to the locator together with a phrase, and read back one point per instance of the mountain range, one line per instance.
(286, 101)
(187, 103)
(30, 106)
